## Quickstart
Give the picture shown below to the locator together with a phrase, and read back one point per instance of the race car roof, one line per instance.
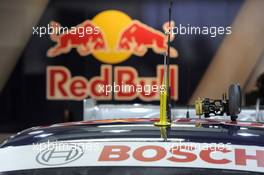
(188, 130)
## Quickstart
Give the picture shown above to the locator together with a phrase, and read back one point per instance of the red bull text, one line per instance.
(61, 84)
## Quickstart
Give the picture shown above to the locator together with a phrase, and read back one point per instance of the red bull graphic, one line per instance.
(110, 42)
(138, 38)
(85, 41)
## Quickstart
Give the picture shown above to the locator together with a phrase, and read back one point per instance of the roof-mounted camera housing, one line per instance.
(230, 106)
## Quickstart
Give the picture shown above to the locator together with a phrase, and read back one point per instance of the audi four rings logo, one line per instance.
(59, 155)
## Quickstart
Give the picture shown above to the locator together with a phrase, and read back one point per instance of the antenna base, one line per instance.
(160, 124)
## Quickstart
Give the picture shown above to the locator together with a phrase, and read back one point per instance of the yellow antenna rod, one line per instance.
(165, 113)
(163, 98)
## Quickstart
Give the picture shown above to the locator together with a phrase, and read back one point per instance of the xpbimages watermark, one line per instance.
(212, 31)
(126, 88)
(56, 29)
(95, 146)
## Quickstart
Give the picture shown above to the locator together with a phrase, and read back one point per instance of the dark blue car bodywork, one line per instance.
(189, 130)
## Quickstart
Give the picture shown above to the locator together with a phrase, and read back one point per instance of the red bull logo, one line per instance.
(112, 38)
(112, 41)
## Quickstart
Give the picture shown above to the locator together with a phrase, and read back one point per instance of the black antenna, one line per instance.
(165, 99)
(168, 67)
(188, 92)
